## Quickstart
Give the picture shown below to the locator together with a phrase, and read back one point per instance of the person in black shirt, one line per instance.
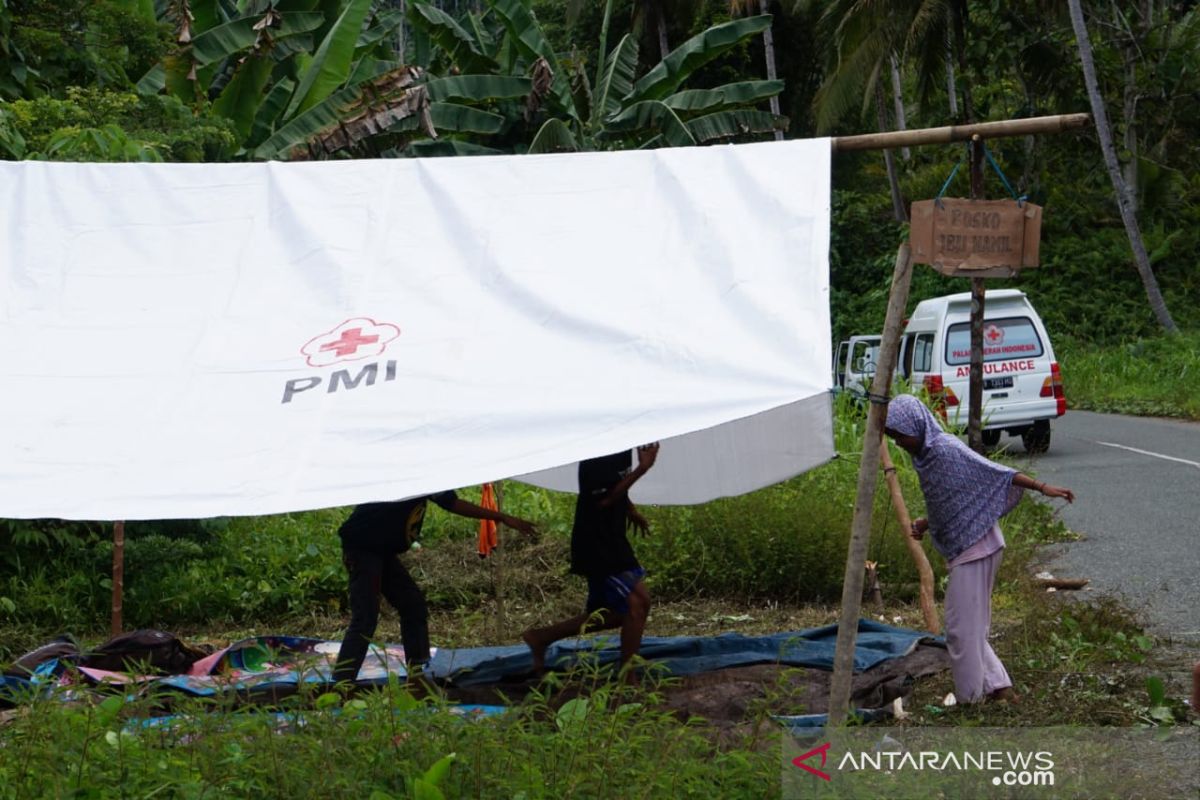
(600, 551)
(373, 536)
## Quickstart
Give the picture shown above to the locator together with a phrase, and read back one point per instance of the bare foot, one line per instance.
(537, 650)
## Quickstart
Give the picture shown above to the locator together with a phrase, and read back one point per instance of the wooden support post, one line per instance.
(118, 576)
(924, 571)
(975, 382)
(860, 532)
(978, 288)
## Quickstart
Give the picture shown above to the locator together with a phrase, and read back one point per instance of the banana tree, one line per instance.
(566, 111)
(298, 78)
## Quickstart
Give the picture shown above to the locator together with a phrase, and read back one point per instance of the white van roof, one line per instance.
(965, 297)
(928, 314)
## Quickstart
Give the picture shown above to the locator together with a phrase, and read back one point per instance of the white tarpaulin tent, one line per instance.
(227, 339)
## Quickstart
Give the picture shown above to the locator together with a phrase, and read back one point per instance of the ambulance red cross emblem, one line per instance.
(994, 334)
(352, 340)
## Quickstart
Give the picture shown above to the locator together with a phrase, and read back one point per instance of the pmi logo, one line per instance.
(355, 339)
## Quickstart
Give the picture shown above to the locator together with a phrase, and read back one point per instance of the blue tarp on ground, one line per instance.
(686, 655)
(283, 662)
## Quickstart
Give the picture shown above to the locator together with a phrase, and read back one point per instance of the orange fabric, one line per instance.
(488, 538)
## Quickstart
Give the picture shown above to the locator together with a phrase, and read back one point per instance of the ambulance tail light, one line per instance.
(1053, 387)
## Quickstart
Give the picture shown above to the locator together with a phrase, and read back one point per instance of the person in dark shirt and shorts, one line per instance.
(600, 551)
(373, 536)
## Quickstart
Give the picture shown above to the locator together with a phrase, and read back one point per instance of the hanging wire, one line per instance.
(937, 200)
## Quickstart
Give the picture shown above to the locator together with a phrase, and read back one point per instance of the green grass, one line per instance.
(379, 745)
(765, 562)
(1157, 376)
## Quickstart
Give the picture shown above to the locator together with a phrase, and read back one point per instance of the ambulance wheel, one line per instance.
(991, 438)
(1036, 438)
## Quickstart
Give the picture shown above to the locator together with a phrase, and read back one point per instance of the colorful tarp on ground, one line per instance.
(282, 663)
(185, 341)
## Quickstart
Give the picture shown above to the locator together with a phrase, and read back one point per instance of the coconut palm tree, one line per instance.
(742, 7)
(1124, 192)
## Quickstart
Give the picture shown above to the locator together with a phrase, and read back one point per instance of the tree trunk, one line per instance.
(898, 102)
(769, 49)
(951, 89)
(660, 23)
(1124, 195)
(960, 36)
(1129, 107)
(893, 179)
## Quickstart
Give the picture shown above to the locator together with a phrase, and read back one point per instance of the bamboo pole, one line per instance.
(118, 576)
(961, 133)
(924, 571)
(860, 531)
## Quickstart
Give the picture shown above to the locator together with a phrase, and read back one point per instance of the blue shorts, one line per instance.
(612, 591)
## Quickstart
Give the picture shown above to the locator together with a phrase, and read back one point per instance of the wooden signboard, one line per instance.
(976, 238)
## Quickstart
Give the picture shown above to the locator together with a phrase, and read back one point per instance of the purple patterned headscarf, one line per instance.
(965, 493)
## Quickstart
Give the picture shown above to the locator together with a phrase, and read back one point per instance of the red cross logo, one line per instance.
(822, 751)
(348, 342)
(994, 334)
(352, 340)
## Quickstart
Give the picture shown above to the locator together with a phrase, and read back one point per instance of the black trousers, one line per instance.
(372, 575)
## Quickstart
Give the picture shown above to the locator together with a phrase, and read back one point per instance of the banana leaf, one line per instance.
(652, 115)
(240, 99)
(527, 37)
(331, 64)
(153, 81)
(477, 88)
(226, 40)
(370, 68)
(616, 80)
(269, 112)
(384, 26)
(460, 46)
(283, 49)
(667, 76)
(233, 37)
(735, 122)
(453, 117)
(732, 94)
(386, 92)
(553, 137)
(427, 148)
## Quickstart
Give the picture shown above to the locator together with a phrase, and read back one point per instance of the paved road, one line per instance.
(1140, 512)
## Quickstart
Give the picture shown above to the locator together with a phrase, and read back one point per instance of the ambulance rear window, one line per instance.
(1003, 340)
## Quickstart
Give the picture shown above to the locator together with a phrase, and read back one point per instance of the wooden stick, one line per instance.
(118, 576)
(1063, 583)
(961, 133)
(496, 555)
(924, 571)
(860, 530)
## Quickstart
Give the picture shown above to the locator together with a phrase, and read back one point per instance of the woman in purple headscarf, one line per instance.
(965, 496)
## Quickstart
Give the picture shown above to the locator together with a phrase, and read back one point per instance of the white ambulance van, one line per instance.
(1022, 385)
